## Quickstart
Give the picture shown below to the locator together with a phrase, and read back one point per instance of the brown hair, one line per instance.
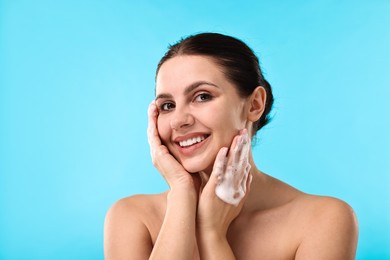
(240, 64)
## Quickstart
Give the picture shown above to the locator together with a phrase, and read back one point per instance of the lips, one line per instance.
(191, 142)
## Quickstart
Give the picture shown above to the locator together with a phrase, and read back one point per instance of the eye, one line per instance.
(202, 97)
(167, 106)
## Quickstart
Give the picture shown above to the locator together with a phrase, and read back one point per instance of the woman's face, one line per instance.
(200, 111)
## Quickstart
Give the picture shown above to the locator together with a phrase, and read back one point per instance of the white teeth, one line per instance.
(191, 141)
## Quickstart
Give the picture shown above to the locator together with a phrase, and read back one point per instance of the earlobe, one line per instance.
(256, 104)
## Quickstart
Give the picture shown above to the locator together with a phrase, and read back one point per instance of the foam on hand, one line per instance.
(232, 180)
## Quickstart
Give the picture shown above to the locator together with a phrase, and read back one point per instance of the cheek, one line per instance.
(231, 124)
(163, 128)
(227, 119)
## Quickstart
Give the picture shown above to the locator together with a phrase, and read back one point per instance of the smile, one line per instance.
(191, 141)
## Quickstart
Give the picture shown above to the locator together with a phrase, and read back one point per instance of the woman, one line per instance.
(211, 99)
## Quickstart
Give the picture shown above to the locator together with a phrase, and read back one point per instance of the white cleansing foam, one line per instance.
(231, 187)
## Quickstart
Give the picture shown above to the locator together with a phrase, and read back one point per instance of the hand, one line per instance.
(224, 194)
(172, 171)
(231, 185)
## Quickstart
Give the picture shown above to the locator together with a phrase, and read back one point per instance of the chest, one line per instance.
(264, 238)
(270, 235)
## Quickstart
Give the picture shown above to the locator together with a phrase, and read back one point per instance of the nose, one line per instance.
(181, 120)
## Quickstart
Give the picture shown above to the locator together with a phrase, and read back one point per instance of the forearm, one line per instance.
(176, 239)
(213, 246)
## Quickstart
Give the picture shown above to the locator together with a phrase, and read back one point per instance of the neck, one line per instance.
(258, 189)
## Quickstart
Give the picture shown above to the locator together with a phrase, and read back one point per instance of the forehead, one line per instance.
(183, 70)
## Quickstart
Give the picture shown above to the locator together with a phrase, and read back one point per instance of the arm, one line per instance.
(176, 239)
(125, 235)
(332, 233)
(222, 199)
(214, 246)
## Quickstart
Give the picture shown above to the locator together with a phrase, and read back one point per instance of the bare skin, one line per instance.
(287, 225)
(276, 221)
(189, 221)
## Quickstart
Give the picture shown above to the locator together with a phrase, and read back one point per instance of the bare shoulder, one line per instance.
(135, 205)
(324, 207)
(127, 226)
(330, 229)
(136, 209)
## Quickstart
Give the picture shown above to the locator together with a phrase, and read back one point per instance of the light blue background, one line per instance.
(76, 78)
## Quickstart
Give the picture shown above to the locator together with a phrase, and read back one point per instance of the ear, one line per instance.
(256, 104)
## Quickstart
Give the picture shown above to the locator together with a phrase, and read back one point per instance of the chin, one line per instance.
(192, 168)
(195, 167)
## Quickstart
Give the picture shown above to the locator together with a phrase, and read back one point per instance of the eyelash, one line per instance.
(206, 97)
(209, 97)
(161, 107)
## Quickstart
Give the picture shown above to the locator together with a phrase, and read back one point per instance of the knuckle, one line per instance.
(160, 153)
(154, 161)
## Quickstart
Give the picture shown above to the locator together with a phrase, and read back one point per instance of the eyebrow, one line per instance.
(188, 89)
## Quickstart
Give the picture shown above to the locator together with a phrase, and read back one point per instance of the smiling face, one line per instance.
(200, 111)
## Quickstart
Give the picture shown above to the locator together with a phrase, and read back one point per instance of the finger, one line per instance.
(243, 155)
(248, 183)
(153, 137)
(219, 166)
(233, 152)
(237, 159)
(242, 140)
(240, 160)
(247, 175)
(245, 142)
(239, 144)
